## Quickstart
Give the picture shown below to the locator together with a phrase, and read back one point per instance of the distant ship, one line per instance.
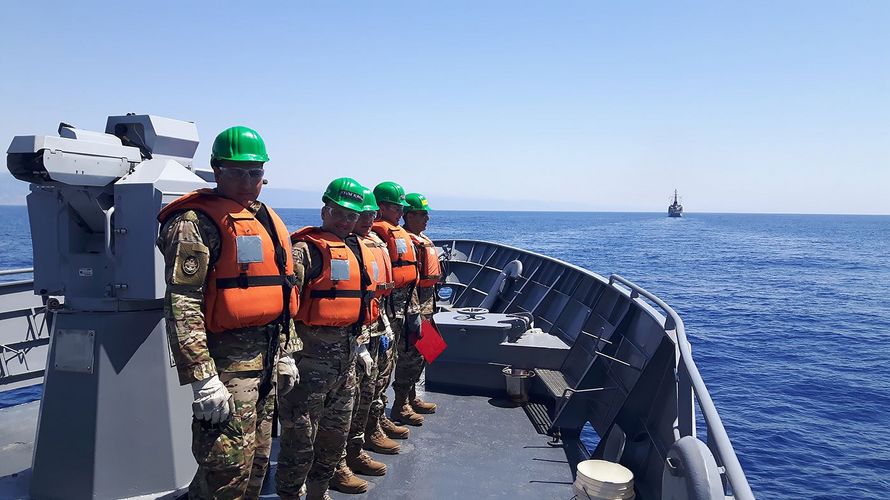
(675, 209)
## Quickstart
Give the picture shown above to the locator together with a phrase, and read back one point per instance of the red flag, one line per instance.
(431, 344)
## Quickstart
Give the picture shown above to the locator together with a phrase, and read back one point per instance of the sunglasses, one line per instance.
(368, 214)
(341, 214)
(241, 174)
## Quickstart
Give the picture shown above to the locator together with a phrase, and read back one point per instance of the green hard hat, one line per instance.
(390, 192)
(346, 192)
(369, 202)
(239, 144)
(417, 203)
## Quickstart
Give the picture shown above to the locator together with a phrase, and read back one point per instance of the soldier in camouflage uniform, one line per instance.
(411, 364)
(354, 458)
(232, 371)
(380, 430)
(391, 200)
(315, 416)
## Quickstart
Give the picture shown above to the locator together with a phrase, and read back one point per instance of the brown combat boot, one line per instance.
(392, 429)
(377, 441)
(362, 463)
(419, 405)
(345, 481)
(403, 413)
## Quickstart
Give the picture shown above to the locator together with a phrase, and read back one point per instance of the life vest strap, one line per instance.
(334, 293)
(249, 281)
(403, 263)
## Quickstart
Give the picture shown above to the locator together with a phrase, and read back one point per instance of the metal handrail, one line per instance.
(6, 272)
(18, 283)
(20, 354)
(716, 432)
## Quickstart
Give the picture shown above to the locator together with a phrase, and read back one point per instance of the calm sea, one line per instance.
(788, 315)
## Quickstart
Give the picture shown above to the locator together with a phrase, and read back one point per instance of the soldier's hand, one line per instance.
(287, 374)
(386, 326)
(364, 359)
(213, 402)
(413, 324)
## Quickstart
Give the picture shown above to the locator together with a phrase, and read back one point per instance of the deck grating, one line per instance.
(539, 416)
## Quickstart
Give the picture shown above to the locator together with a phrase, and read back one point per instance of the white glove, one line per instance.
(364, 359)
(213, 402)
(287, 374)
(387, 328)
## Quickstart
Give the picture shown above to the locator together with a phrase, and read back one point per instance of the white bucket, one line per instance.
(582, 494)
(602, 480)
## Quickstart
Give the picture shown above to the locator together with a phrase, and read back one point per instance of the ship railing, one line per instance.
(13, 272)
(691, 388)
(24, 335)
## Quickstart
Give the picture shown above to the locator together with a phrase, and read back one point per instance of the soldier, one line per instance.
(411, 363)
(391, 200)
(336, 287)
(380, 431)
(354, 458)
(228, 309)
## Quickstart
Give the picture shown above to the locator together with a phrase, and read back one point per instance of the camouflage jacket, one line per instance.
(424, 298)
(185, 238)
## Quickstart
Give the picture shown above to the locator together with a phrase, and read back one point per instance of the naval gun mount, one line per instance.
(111, 395)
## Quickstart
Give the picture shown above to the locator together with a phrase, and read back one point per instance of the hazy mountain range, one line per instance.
(13, 192)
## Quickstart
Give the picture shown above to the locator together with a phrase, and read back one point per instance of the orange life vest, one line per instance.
(381, 272)
(429, 270)
(401, 252)
(337, 295)
(240, 295)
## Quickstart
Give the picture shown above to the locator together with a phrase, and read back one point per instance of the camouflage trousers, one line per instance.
(386, 362)
(409, 364)
(364, 394)
(233, 457)
(315, 418)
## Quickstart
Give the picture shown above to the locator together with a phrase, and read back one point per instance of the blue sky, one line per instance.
(743, 106)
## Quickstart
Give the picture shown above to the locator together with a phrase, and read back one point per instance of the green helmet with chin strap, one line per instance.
(370, 202)
(417, 203)
(345, 192)
(239, 144)
(390, 192)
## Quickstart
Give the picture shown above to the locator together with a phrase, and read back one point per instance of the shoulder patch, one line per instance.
(190, 265)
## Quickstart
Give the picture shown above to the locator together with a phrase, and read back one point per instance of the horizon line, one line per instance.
(585, 211)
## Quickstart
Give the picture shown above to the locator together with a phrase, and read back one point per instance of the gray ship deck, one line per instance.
(472, 447)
